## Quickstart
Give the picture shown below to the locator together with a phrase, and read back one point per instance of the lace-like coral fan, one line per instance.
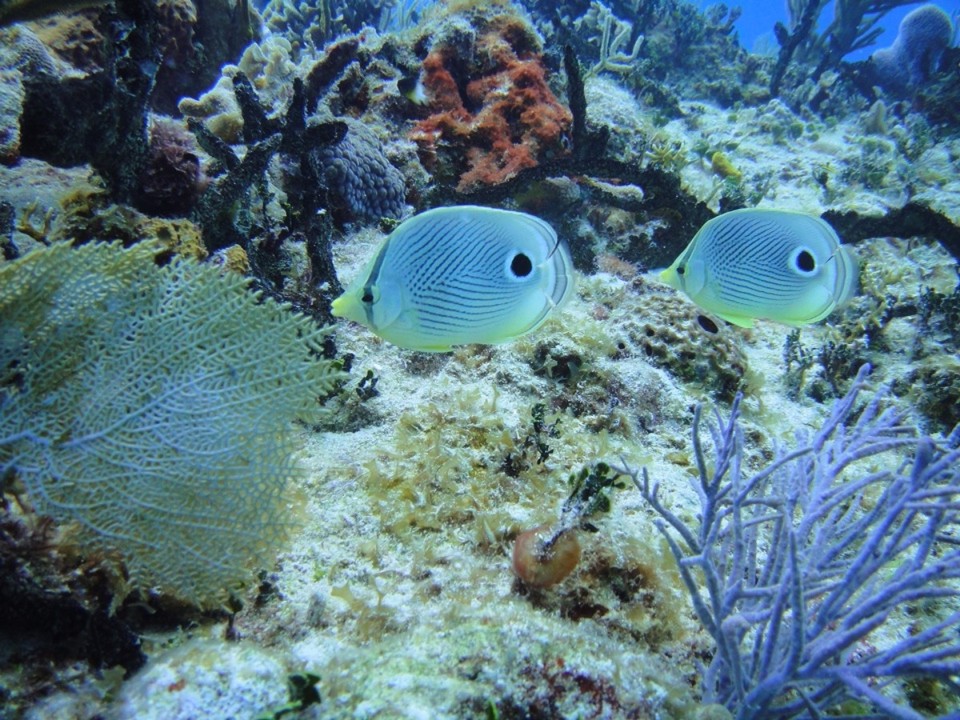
(492, 108)
(149, 409)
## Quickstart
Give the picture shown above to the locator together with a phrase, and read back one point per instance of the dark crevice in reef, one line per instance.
(912, 220)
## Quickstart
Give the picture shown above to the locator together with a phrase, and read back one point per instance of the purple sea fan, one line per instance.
(791, 569)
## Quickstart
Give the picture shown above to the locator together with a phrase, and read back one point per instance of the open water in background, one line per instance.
(756, 22)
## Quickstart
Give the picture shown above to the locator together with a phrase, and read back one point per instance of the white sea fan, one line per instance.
(151, 408)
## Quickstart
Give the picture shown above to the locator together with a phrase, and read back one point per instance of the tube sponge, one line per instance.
(923, 36)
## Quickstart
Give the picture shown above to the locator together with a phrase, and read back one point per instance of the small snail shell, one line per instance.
(543, 557)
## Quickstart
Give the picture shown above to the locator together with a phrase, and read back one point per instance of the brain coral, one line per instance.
(673, 334)
(11, 104)
(150, 410)
(364, 184)
(923, 36)
(22, 58)
(74, 37)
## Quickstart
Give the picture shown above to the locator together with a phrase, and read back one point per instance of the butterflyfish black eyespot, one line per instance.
(521, 266)
(805, 261)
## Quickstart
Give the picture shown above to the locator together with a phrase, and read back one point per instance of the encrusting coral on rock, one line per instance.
(493, 111)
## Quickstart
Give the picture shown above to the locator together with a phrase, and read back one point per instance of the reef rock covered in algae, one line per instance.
(398, 595)
(492, 109)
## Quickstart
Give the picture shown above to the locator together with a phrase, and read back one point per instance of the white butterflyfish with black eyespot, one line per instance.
(767, 264)
(461, 275)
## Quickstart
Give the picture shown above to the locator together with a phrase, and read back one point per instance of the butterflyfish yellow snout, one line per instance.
(766, 264)
(461, 275)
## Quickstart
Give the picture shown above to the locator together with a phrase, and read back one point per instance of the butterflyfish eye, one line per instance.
(805, 262)
(680, 270)
(521, 266)
(367, 297)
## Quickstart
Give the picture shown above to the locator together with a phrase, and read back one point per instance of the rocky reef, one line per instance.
(469, 539)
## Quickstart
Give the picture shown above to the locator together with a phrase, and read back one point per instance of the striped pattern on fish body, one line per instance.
(460, 275)
(766, 264)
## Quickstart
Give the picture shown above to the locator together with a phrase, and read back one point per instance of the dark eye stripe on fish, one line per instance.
(459, 275)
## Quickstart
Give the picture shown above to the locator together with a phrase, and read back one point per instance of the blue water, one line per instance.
(759, 17)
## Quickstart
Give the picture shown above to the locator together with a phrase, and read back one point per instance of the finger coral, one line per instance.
(23, 58)
(493, 110)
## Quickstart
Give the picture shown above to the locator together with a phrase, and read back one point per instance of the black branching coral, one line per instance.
(150, 410)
